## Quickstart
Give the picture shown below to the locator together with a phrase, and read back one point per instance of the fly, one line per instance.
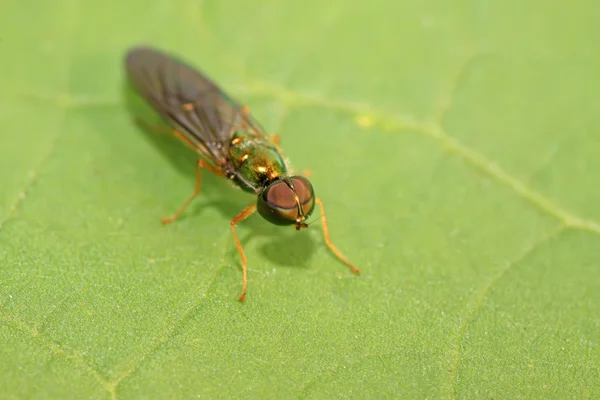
(230, 143)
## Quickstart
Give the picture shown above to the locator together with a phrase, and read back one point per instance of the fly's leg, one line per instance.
(199, 165)
(328, 240)
(245, 213)
(245, 111)
(276, 140)
(307, 174)
(245, 116)
(244, 125)
(148, 127)
(163, 129)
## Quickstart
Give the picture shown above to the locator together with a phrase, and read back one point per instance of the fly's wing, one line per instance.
(206, 116)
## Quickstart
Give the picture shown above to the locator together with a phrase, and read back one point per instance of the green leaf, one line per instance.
(455, 147)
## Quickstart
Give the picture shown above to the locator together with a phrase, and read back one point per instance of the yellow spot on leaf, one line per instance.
(364, 121)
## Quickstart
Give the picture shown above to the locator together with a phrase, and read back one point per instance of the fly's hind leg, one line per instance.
(164, 129)
(159, 129)
(199, 165)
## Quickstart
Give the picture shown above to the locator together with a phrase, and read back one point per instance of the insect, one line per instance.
(230, 143)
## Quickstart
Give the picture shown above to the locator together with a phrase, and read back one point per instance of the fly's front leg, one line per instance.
(245, 213)
(328, 239)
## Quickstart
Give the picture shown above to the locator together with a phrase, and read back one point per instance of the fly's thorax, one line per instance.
(256, 160)
(287, 201)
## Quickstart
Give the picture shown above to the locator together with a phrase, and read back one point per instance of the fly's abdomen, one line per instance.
(256, 160)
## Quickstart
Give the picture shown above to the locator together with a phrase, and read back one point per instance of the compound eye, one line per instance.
(279, 195)
(277, 203)
(305, 192)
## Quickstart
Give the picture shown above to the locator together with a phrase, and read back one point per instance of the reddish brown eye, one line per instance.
(303, 189)
(277, 203)
(280, 195)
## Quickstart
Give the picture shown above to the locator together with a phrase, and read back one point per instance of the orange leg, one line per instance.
(185, 140)
(306, 173)
(328, 240)
(276, 139)
(199, 165)
(163, 129)
(245, 115)
(148, 127)
(245, 213)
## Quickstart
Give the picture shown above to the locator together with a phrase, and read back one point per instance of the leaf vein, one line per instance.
(480, 299)
(169, 331)
(79, 362)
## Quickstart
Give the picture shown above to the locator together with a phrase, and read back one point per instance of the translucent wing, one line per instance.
(197, 107)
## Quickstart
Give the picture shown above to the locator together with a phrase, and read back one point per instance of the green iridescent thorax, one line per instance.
(257, 161)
